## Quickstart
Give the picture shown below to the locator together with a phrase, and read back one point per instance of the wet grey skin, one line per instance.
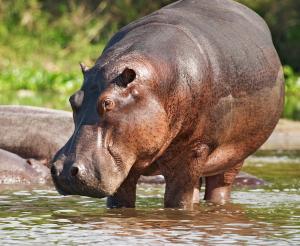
(188, 91)
(16, 170)
(33, 132)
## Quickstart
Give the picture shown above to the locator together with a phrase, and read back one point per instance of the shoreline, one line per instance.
(285, 137)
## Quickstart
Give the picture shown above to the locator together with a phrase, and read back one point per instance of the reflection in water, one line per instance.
(43, 216)
(223, 224)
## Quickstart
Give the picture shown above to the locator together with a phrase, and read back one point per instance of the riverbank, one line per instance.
(285, 137)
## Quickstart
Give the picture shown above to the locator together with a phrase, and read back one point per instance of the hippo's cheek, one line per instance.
(142, 133)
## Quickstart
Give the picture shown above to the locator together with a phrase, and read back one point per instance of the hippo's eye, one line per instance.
(126, 77)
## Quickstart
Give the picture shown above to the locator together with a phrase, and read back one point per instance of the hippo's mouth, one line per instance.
(67, 186)
(72, 189)
(95, 180)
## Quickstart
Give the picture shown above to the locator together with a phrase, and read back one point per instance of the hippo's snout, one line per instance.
(95, 174)
(76, 171)
(76, 178)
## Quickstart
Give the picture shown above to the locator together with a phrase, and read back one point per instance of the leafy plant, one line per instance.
(41, 43)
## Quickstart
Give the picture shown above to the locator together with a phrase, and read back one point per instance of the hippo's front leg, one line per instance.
(182, 179)
(180, 191)
(126, 194)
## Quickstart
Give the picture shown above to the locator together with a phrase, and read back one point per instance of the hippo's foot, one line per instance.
(218, 187)
(126, 194)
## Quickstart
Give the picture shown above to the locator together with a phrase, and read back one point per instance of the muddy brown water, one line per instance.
(268, 215)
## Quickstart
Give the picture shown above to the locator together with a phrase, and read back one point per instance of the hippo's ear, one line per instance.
(126, 77)
(83, 67)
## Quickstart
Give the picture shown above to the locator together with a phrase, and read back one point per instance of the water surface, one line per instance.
(264, 216)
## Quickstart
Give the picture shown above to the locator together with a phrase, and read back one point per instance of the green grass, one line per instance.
(41, 74)
(38, 87)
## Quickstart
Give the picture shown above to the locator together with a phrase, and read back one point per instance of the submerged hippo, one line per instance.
(16, 170)
(188, 91)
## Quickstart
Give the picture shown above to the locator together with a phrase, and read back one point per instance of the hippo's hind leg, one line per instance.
(218, 187)
(126, 194)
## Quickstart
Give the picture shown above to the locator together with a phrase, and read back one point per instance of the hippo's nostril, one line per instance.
(74, 171)
(53, 170)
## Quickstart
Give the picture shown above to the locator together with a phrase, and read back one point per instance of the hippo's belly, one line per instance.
(244, 123)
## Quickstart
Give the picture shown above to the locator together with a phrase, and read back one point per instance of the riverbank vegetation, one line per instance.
(42, 43)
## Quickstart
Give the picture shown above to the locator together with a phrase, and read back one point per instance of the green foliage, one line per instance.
(39, 87)
(41, 45)
(29, 33)
(292, 80)
(292, 89)
(42, 42)
(38, 80)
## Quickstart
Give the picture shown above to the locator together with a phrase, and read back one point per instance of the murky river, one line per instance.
(267, 215)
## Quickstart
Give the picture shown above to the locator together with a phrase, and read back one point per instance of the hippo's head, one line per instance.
(121, 122)
(133, 103)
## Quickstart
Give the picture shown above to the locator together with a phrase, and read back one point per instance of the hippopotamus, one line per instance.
(16, 170)
(188, 91)
(33, 132)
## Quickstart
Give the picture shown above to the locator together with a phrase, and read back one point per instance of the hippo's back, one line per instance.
(233, 39)
(245, 69)
(236, 41)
